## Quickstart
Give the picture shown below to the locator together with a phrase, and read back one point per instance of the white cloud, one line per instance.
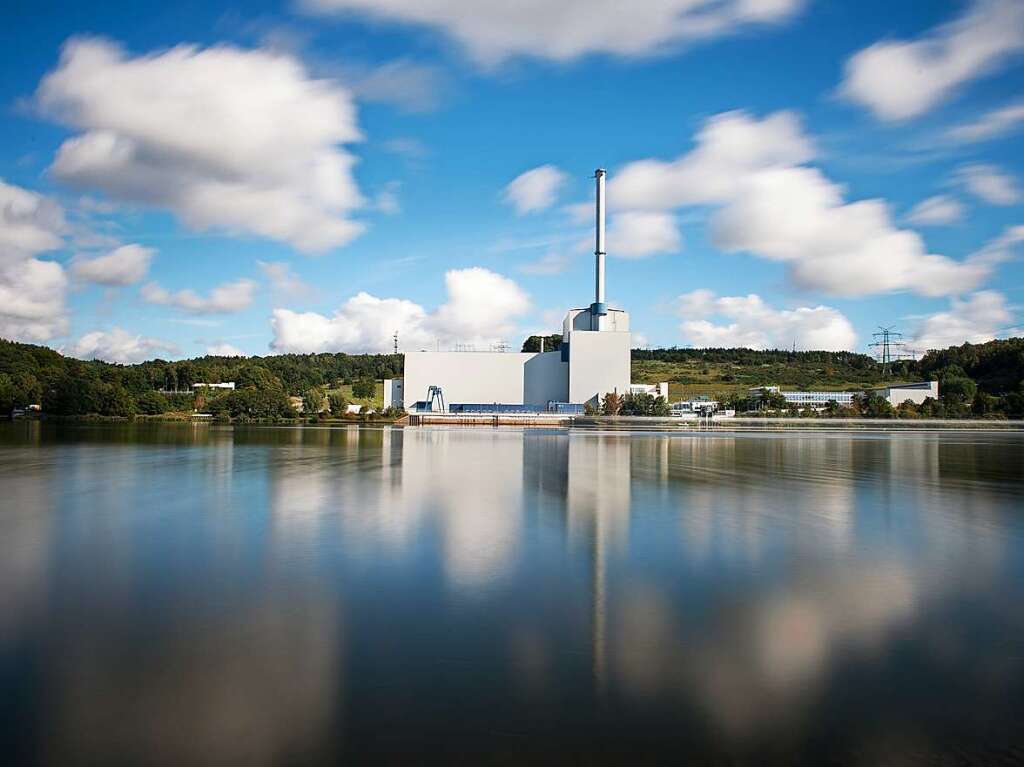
(898, 79)
(750, 322)
(493, 30)
(535, 190)
(224, 350)
(406, 84)
(998, 122)
(285, 283)
(978, 318)
(118, 345)
(122, 266)
(480, 309)
(224, 299)
(939, 210)
(240, 140)
(774, 206)
(639, 233)
(549, 263)
(989, 183)
(729, 147)
(32, 291)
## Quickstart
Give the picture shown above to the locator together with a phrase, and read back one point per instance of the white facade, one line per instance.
(506, 378)
(913, 392)
(394, 392)
(225, 385)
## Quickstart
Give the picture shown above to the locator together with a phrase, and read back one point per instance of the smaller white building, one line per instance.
(224, 385)
(656, 390)
(394, 392)
(912, 392)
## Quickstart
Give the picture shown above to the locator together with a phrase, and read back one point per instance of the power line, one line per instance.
(890, 339)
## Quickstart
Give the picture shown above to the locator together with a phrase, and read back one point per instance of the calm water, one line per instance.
(207, 595)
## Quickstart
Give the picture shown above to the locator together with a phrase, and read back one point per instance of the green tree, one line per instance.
(152, 403)
(364, 388)
(957, 392)
(644, 404)
(552, 343)
(337, 403)
(313, 400)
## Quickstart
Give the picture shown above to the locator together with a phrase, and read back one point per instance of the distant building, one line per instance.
(225, 385)
(656, 390)
(894, 395)
(912, 392)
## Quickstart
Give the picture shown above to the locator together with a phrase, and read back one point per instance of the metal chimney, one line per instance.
(598, 308)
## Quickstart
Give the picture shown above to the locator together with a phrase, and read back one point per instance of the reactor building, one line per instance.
(593, 360)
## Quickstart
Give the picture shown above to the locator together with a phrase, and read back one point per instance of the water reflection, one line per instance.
(258, 595)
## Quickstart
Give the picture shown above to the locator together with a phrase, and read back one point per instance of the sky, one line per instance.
(180, 179)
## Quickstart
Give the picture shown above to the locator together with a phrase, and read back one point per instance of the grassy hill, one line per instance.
(692, 372)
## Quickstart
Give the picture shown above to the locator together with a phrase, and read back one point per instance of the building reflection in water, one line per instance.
(273, 595)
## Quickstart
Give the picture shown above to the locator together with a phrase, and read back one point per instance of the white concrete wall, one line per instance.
(916, 393)
(466, 377)
(546, 379)
(599, 362)
(393, 394)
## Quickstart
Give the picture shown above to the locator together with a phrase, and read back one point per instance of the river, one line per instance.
(202, 594)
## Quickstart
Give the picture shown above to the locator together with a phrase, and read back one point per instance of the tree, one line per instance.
(337, 403)
(364, 388)
(313, 400)
(611, 404)
(256, 376)
(957, 391)
(644, 404)
(152, 403)
(873, 405)
(552, 343)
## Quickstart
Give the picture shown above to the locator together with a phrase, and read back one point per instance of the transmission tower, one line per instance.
(396, 342)
(889, 343)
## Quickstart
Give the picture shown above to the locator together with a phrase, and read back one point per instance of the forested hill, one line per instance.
(36, 374)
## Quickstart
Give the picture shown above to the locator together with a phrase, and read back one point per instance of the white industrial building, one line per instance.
(894, 395)
(594, 359)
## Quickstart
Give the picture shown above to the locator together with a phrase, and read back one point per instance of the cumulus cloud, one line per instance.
(534, 190)
(125, 265)
(939, 210)
(998, 122)
(493, 31)
(749, 321)
(118, 345)
(284, 283)
(989, 183)
(901, 79)
(975, 319)
(32, 290)
(480, 309)
(239, 140)
(224, 299)
(771, 204)
(642, 233)
(224, 350)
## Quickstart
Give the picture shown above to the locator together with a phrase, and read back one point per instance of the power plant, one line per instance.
(594, 359)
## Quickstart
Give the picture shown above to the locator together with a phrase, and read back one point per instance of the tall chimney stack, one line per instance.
(598, 308)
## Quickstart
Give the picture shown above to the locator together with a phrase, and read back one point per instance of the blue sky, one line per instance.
(316, 175)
